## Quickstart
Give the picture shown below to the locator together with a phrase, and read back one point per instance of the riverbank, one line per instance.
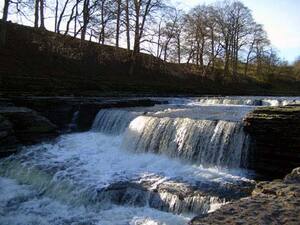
(41, 63)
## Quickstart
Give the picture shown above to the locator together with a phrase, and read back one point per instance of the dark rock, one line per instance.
(60, 110)
(170, 196)
(24, 126)
(275, 140)
(8, 141)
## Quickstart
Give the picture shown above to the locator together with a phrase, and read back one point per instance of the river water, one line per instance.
(155, 165)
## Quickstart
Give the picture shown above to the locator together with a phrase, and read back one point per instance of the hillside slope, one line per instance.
(39, 62)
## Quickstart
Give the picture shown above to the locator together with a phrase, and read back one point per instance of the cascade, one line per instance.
(255, 101)
(113, 121)
(209, 143)
(155, 165)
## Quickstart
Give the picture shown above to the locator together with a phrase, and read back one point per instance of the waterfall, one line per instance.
(113, 121)
(157, 164)
(210, 143)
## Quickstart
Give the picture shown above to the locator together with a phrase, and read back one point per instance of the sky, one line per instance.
(280, 18)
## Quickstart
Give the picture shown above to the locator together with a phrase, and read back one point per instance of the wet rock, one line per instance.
(8, 141)
(60, 110)
(275, 140)
(20, 125)
(169, 196)
(276, 202)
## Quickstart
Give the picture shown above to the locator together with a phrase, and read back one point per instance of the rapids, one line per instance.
(155, 165)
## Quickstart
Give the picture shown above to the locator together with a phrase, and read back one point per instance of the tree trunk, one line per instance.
(56, 15)
(85, 18)
(212, 50)
(136, 48)
(178, 49)
(70, 19)
(102, 32)
(127, 25)
(158, 41)
(36, 14)
(3, 26)
(118, 22)
(76, 17)
(248, 59)
(62, 15)
(42, 25)
(166, 51)
(227, 56)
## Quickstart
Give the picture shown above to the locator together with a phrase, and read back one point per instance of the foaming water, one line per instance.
(91, 170)
(141, 166)
(247, 100)
(21, 204)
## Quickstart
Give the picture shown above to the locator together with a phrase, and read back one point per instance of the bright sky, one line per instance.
(281, 19)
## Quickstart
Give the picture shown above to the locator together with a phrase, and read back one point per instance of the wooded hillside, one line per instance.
(39, 62)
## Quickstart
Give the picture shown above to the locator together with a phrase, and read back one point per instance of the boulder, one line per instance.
(20, 125)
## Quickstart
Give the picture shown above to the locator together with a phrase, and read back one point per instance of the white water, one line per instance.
(73, 171)
(136, 166)
(206, 142)
(113, 121)
(21, 204)
(247, 100)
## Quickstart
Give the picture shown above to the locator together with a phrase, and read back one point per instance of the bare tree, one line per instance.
(258, 40)
(142, 10)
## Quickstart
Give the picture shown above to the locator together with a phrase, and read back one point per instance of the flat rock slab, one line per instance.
(276, 202)
(275, 140)
(13, 110)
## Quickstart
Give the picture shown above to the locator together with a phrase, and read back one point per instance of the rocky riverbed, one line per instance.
(276, 202)
(274, 152)
(29, 120)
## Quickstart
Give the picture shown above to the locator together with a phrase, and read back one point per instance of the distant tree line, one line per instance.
(221, 36)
